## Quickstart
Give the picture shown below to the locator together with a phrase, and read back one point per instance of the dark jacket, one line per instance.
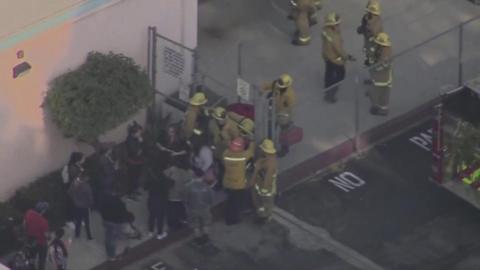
(113, 209)
(135, 150)
(81, 194)
(108, 173)
(74, 171)
(158, 186)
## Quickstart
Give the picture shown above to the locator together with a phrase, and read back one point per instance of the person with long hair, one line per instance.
(81, 194)
(75, 166)
(172, 144)
(135, 159)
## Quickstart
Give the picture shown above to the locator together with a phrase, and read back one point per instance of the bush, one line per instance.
(98, 96)
(49, 188)
(10, 218)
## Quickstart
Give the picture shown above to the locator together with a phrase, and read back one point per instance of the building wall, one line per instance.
(30, 145)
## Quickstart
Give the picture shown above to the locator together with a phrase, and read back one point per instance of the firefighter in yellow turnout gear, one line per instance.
(265, 181)
(370, 27)
(236, 159)
(284, 101)
(334, 55)
(382, 75)
(194, 112)
(222, 130)
(304, 15)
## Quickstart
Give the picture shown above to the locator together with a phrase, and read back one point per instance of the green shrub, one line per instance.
(49, 188)
(9, 219)
(101, 94)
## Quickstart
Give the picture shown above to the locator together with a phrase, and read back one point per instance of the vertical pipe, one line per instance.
(460, 55)
(154, 57)
(149, 51)
(239, 65)
(356, 120)
(149, 116)
(155, 106)
(196, 80)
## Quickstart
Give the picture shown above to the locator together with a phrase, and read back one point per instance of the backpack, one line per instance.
(65, 174)
(56, 254)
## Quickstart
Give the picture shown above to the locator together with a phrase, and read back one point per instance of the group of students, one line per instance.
(211, 150)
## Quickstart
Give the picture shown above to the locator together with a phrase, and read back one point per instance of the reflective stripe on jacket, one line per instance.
(333, 46)
(381, 71)
(235, 167)
(265, 176)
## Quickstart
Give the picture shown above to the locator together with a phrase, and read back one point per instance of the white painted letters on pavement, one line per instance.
(347, 181)
(423, 140)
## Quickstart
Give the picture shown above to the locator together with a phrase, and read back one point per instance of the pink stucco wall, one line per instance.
(30, 145)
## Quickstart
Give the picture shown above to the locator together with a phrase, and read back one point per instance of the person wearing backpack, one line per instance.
(198, 201)
(58, 251)
(81, 194)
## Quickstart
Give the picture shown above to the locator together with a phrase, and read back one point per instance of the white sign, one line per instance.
(243, 89)
(183, 91)
(423, 140)
(347, 181)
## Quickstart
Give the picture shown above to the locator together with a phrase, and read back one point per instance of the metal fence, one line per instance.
(176, 72)
(421, 74)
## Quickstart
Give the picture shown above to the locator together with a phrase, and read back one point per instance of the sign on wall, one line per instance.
(243, 89)
(173, 62)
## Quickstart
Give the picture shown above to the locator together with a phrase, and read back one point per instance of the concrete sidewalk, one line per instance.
(265, 33)
(279, 245)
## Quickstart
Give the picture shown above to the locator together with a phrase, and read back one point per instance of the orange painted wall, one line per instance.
(30, 145)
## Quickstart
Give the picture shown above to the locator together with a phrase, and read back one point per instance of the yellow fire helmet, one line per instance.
(219, 113)
(198, 99)
(285, 81)
(268, 147)
(383, 39)
(247, 125)
(374, 7)
(332, 19)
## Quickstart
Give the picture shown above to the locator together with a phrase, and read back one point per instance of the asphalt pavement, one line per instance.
(377, 211)
(384, 206)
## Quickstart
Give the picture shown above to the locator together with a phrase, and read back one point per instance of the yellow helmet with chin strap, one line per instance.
(383, 39)
(285, 81)
(219, 113)
(268, 147)
(198, 99)
(247, 126)
(374, 7)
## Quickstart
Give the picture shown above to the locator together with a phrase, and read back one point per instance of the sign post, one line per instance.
(243, 89)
